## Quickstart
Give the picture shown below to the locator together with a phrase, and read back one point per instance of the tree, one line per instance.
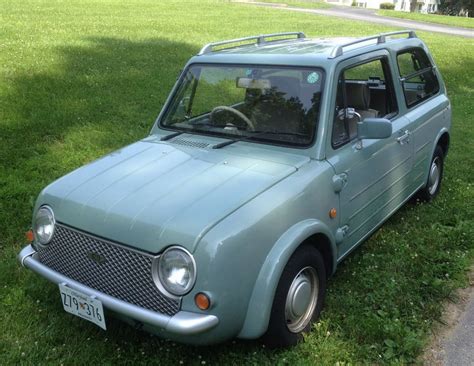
(457, 7)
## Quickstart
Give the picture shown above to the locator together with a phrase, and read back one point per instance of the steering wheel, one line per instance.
(234, 111)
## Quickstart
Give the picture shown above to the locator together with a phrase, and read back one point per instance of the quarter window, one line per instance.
(417, 75)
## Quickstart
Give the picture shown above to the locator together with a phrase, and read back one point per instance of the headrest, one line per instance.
(358, 96)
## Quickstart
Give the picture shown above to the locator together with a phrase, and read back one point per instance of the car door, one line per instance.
(373, 177)
(427, 108)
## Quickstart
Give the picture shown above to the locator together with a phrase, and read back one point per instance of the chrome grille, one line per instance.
(107, 267)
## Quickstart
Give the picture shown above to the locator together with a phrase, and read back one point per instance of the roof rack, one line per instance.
(339, 50)
(259, 40)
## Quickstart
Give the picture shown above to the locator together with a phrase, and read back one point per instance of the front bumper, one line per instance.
(182, 323)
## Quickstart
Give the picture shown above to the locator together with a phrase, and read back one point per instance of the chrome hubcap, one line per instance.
(433, 180)
(301, 299)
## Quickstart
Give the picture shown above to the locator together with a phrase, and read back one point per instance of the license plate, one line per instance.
(83, 306)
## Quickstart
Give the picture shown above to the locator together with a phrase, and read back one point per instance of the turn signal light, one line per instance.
(202, 301)
(332, 213)
(29, 236)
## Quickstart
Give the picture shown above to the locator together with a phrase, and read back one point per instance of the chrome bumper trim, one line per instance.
(183, 322)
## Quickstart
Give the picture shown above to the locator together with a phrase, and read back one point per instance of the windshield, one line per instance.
(265, 103)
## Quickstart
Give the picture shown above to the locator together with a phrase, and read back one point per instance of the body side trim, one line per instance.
(376, 227)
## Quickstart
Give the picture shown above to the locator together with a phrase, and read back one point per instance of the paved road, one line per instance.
(369, 15)
(458, 346)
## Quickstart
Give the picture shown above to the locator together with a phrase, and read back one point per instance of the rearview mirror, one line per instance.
(374, 128)
(249, 83)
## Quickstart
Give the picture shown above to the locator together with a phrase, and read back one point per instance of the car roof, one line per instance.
(301, 46)
(301, 50)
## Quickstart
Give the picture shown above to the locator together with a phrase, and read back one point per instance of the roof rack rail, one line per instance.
(259, 40)
(381, 38)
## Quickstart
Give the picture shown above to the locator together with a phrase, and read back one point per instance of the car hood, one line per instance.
(152, 194)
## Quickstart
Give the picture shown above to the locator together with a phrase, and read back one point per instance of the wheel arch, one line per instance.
(323, 244)
(443, 142)
(311, 231)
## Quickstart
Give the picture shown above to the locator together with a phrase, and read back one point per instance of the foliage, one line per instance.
(388, 6)
(457, 7)
(84, 77)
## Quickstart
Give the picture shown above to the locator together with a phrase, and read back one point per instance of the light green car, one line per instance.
(272, 159)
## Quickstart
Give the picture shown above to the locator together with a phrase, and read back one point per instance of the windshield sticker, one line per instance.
(313, 78)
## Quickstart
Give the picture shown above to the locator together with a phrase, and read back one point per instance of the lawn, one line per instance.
(430, 18)
(79, 79)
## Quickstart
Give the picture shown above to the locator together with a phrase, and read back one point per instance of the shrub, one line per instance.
(388, 6)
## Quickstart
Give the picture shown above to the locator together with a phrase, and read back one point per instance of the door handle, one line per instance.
(404, 138)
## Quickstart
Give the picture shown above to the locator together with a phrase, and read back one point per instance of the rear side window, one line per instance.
(417, 75)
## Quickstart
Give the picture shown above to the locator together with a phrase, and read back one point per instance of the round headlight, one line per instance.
(44, 225)
(177, 270)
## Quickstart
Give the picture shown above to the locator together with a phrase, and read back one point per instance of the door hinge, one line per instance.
(339, 181)
(341, 233)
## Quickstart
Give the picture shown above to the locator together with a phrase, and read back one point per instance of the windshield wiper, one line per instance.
(257, 134)
(170, 136)
(195, 126)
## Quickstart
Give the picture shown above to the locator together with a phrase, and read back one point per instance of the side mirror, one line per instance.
(374, 128)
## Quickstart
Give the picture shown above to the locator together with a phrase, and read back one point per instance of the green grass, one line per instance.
(79, 79)
(308, 4)
(430, 18)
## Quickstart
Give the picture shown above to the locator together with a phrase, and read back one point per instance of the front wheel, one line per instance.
(435, 175)
(298, 299)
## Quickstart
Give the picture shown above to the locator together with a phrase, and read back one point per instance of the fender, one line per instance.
(260, 304)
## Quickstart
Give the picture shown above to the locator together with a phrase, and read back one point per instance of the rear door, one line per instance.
(426, 108)
(373, 176)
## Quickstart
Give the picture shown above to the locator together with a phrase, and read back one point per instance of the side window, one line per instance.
(418, 78)
(368, 90)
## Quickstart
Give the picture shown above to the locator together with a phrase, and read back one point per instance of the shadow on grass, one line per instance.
(112, 83)
(99, 96)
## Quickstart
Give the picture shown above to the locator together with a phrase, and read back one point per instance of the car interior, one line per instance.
(285, 107)
(365, 89)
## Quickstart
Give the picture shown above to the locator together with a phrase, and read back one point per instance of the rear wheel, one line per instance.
(435, 175)
(298, 299)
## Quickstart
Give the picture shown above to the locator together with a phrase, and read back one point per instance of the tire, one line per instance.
(303, 280)
(435, 176)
